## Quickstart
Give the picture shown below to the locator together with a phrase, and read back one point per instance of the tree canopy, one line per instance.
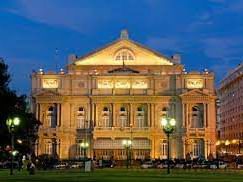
(13, 105)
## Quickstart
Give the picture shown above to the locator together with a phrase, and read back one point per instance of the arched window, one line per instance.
(52, 117)
(81, 124)
(105, 109)
(140, 117)
(106, 118)
(164, 112)
(124, 55)
(123, 117)
(122, 109)
(197, 116)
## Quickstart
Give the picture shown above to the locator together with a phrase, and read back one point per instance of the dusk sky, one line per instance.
(207, 33)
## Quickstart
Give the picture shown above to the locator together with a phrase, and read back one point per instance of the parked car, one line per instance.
(164, 164)
(61, 165)
(147, 164)
(108, 163)
(7, 164)
(239, 163)
(74, 165)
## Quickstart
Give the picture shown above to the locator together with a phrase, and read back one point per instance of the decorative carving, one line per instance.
(122, 84)
(194, 83)
(105, 84)
(140, 84)
(49, 83)
(81, 84)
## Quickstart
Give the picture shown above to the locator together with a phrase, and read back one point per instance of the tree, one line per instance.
(13, 105)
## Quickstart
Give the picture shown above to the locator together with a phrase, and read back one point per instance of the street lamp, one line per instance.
(84, 146)
(127, 144)
(12, 123)
(168, 125)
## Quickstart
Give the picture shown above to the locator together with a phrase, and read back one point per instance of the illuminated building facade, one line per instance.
(122, 91)
(231, 111)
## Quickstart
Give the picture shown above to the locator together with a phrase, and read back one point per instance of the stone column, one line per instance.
(114, 124)
(93, 113)
(152, 115)
(183, 115)
(131, 114)
(204, 115)
(148, 116)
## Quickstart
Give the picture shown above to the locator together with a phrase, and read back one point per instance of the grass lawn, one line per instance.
(131, 175)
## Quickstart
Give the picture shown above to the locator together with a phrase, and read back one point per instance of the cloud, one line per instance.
(62, 13)
(222, 47)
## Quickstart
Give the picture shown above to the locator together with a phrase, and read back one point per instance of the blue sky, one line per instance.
(207, 33)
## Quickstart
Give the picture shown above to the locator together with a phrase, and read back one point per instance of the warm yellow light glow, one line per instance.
(140, 84)
(9, 122)
(16, 121)
(172, 122)
(194, 83)
(227, 142)
(234, 141)
(163, 121)
(49, 83)
(105, 84)
(19, 141)
(218, 143)
(122, 84)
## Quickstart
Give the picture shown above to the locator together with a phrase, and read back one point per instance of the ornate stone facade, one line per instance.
(122, 91)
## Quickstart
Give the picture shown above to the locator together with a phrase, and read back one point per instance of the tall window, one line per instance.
(197, 116)
(140, 117)
(81, 118)
(52, 117)
(163, 149)
(48, 148)
(106, 117)
(79, 150)
(123, 117)
(197, 148)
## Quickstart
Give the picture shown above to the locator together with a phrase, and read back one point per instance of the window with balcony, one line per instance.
(52, 117)
(123, 117)
(140, 117)
(106, 118)
(197, 116)
(81, 122)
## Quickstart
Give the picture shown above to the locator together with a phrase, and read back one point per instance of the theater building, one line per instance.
(121, 91)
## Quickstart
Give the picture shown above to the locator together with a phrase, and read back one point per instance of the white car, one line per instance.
(147, 165)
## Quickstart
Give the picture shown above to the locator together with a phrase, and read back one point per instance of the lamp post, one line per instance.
(168, 125)
(131, 153)
(84, 145)
(12, 123)
(127, 144)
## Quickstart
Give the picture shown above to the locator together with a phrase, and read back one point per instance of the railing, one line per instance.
(123, 128)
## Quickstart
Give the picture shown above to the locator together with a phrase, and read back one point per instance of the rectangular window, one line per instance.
(48, 148)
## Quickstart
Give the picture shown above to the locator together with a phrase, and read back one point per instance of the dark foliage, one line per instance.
(13, 105)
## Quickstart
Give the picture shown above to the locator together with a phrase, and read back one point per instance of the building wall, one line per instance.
(83, 91)
(231, 111)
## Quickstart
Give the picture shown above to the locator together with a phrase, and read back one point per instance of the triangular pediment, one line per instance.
(45, 92)
(107, 55)
(194, 92)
